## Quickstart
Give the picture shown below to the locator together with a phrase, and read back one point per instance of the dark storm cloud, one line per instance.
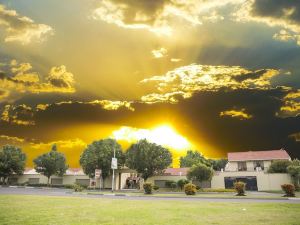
(198, 116)
(288, 10)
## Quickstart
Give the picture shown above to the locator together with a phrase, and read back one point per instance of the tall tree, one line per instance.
(279, 166)
(148, 159)
(200, 173)
(193, 158)
(98, 155)
(12, 160)
(51, 163)
(218, 164)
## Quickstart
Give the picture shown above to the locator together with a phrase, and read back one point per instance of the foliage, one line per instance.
(171, 184)
(294, 171)
(198, 187)
(51, 163)
(98, 155)
(181, 183)
(148, 188)
(155, 187)
(289, 190)
(279, 166)
(193, 158)
(12, 160)
(190, 189)
(68, 186)
(200, 173)
(148, 159)
(220, 190)
(218, 164)
(77, 188)
(240, 188)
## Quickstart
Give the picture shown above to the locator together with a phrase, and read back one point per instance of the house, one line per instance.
(72, 176)
(251, 167)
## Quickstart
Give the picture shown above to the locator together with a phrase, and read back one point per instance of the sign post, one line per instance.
(114, 166)
(98, 175)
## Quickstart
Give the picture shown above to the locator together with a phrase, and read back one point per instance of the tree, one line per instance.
(218, 164)
(193, 158)
(51, 163)
(279, 166)
(12, 160)
(294, 170)
(200, 173)
(98, 155)
(148, 159)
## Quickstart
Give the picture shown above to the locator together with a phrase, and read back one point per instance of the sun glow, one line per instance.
(163, 135)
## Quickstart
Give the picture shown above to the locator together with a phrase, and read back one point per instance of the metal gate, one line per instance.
(251, 182)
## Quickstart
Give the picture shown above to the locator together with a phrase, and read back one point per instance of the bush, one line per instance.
(171, 184)
(240, 188)
(77, 188)
(289, 190)
(190, 189)
(68, 186)
(155, 187)
(148, 188)
(181, 183)
(198, 187)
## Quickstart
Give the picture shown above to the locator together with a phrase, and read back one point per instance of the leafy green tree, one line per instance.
(279, 166)
(148, 159)
(51, 163)
(98, 155)
(294, 171)
(218, 164)
(193, 158)
(181, 183)
(200, 173)
(12, 160)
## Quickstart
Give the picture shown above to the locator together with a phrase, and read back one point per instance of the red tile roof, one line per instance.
(258, 155)
(175, 171)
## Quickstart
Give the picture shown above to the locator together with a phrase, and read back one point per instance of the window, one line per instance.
(242, 166)
(259, 165)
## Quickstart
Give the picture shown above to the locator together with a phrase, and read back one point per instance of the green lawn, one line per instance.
(31, 210)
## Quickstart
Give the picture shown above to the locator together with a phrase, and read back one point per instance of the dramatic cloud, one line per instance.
(186, 80)
(73, 143)
(291, 106)
(20, 79)
(10, 139)
(280, 13)
(20, 28)
(20, 115)
(159, 53)
(159, 16)
(239, 114)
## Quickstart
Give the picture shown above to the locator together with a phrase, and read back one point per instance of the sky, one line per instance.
(212, 76)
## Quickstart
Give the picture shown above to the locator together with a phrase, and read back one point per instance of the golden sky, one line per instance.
(213, 76)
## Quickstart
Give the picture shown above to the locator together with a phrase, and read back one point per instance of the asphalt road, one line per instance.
(69, 193)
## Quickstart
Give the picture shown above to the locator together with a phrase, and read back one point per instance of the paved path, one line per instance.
(68, 193)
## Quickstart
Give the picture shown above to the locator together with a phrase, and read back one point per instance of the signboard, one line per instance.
(114, 163)
(97, 173)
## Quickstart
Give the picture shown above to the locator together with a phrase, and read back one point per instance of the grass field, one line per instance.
(33, 210)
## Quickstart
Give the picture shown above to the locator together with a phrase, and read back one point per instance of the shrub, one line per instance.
(289, 190)
(190, 189)
(68, 186)
(174, 185)
(77, 188)
(155, 187)
(240, 188)
(148, 188)
(181, 183)
(170, 184)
